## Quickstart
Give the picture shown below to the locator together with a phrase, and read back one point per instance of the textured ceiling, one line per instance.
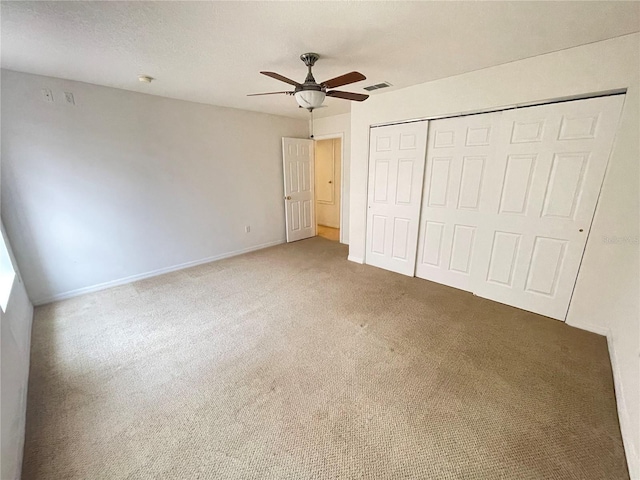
(211, 52)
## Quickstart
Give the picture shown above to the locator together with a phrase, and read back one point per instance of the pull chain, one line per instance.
(311, 112)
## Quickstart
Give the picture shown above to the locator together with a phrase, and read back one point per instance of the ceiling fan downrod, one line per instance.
(309, 60)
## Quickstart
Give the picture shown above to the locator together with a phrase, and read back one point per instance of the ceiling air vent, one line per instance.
(377, 86)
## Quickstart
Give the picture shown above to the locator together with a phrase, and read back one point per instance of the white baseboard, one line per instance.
(355, 259)
(604, 331)
(153, 273)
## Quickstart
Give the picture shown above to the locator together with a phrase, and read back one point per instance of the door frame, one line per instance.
(330, 136)
(570, 98)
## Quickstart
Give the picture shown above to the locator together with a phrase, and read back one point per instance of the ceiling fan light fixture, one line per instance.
(311, 94)
(310, 98)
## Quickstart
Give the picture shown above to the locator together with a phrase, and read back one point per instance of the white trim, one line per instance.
(355, 259)
(366, 193)
(604, 331)
(329, 136)
(153, 273)
(569, 98)
(626, 428)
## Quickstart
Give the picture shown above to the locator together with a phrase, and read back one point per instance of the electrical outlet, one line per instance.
(68, 97)
(247, 229)
(47, 95)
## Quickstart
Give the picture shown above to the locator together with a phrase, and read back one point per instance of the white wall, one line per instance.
(606, 296)
(15, 324)
(123, 183)
(335, 125)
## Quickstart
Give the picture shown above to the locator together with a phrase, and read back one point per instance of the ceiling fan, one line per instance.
(311, 94)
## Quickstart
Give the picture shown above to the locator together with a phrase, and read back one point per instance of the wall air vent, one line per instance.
(377, 86)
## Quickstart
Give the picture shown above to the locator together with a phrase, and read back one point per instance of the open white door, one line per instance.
(396, 169)
(297, 160)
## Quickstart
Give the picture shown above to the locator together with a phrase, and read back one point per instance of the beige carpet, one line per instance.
(293, 363)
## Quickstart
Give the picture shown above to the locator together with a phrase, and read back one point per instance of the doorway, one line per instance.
(328, 187)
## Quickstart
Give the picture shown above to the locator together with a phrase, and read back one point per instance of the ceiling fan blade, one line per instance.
(277, 76)
(346, 79)
(268, 93)
(358, 97)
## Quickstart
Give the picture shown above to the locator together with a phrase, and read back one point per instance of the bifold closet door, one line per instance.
(509, 198)
(455, 193)
(545, 180)
(396, 170)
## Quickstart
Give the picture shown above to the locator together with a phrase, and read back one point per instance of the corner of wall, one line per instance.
(353, 258)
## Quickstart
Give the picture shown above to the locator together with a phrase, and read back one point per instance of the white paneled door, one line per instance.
(458, 153)
(297, 159)
(509, 197)
(544, 184)
(396, 170)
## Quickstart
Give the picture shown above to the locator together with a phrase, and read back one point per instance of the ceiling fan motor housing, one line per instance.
(309, 59)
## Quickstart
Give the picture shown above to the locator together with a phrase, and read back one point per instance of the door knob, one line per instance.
(330, 181)
(288, 197)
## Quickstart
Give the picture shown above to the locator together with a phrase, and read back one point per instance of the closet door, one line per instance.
(544, 179)
(396, 170)
(456, 193)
